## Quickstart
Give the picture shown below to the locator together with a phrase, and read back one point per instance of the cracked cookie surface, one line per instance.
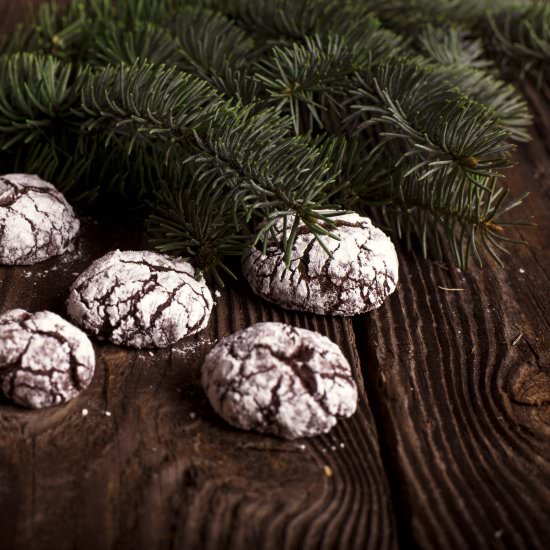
(140, 299)
(362, 272)
(36, 222)
(44, 360)
(279, 379)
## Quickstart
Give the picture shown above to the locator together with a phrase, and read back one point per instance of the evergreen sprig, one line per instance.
(470, 216)
(198, 222)
(451, 46)
(219, 117)
(438, 127)
(520, 40)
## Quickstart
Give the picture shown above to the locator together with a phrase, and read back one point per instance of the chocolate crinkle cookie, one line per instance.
(361, 273)
(36, 222)
(140, 299)
(278, 379)
(44, 360)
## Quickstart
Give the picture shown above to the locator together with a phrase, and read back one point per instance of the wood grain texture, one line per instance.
(461, 418)
(460, 384)
(161, 470)
(151, 466)
(15, 11)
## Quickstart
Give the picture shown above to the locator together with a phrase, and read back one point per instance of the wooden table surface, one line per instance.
(450, 447)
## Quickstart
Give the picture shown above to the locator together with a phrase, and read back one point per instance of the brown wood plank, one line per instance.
(460, 384)
(14, 11)
(162, 471)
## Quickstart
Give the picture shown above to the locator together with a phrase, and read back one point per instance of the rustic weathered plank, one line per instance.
(162, 471)
(462, 407)
(460, 384)
(14, 11)
(151, 466)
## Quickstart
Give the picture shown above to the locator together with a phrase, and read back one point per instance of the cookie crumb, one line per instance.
(327, 471)
(517, 339)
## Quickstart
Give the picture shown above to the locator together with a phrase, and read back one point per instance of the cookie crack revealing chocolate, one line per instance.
(36, 222)
(140, 299)
(44, 360)
(278, 379)
(358, 276)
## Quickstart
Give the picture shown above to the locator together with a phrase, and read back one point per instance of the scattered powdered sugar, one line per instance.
(44, 360)
(36, 222)
(279, 379)
(362, 272)
(140, 299)
(189, 346)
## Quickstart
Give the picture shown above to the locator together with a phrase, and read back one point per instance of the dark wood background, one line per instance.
(450, 447)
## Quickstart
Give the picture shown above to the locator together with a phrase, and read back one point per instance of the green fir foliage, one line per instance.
(215, 118)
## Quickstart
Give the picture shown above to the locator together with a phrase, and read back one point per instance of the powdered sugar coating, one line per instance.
(362, 272)
(140, 299)
(279, 379)
(44, 360)
(36, 222)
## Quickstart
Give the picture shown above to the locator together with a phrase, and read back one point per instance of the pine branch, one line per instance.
(36, 93)
(452, 214)
(505, 104)
(145, 41)
(520, 40)
(37, 131)
(452, 46)
(424, 145)
(272, 173)
(210, 42)
(269, 173)
(62, 32)
(201, 42)
(239, 84)
(146, 103)
(274, 19)
(437, 127)
(407, 16)
(306, 79)
(196, 221)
